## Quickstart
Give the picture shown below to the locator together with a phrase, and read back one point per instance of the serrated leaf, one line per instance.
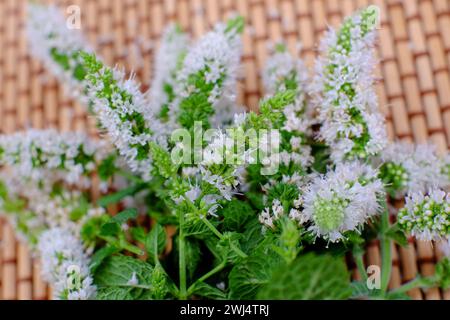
(109, 229)
(117, 271)
(398, 235)
(114, 293)
(256, 200)
(249, 275)
(138, 234)
(193, 255)
(224, 246)
(309, 277)
(359, 290)
(155, 241)
(235, 214)
(205, 290)
(125, 215)
(100, 255)
(197, 229)
(113, 226)
(252, 235)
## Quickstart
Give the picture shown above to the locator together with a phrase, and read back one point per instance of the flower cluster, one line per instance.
(344, 93)
(65, 264)
(34, 207)
(58, 47)
(40, 168)
(342, 200)
(124, 113)
(426, 217)
(207, 80)
(407, 168)
(49, 156)
(168, 62)
(285, 74)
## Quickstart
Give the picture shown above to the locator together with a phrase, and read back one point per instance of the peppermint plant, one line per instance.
(214, 202)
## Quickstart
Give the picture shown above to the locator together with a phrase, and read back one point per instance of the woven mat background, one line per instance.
(414, 87)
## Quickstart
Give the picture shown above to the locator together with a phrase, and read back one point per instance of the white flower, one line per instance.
(65, 264)
(409, 169)
(426, 216)
(216, 55)
(193, 193)
(134, 280)
(266, 218)
(282, 67)
(283, 72)
(342, 200)
(277, 209)
(49, 156)
(271, 214)
(297, 215)
(49, 39)
(343, 89)
(130, 123)
(174, 45)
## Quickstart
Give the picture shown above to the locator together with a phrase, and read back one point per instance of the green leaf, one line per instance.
(80, 211)
(163, 161)
(397, 234)
(236, 24)
(225, 246)
(100, 256)
(256, 199)
(359, 290)
(398, 296)
(113, 226)
(235, 214)
(248, 276)
(116, 197)
(110, 229)
(197, 229)
(3, 189)
(118, 270)
(138, 234)
(155, 241)
(92, 228)
(309, 277)
(442, 273)
(252, 235)
(107, 168)
(125, 215)
(193, 255)
(114, 293)
(205, 290)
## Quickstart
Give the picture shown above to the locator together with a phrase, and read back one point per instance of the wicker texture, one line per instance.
(414, 86)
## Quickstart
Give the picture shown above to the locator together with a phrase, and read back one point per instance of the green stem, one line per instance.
(182, 261)
(418, 282)
(358, 256)
(122, 244)
(207, 275)
(133, 249)
(386, 255)
(238, 251)
(130, 176)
